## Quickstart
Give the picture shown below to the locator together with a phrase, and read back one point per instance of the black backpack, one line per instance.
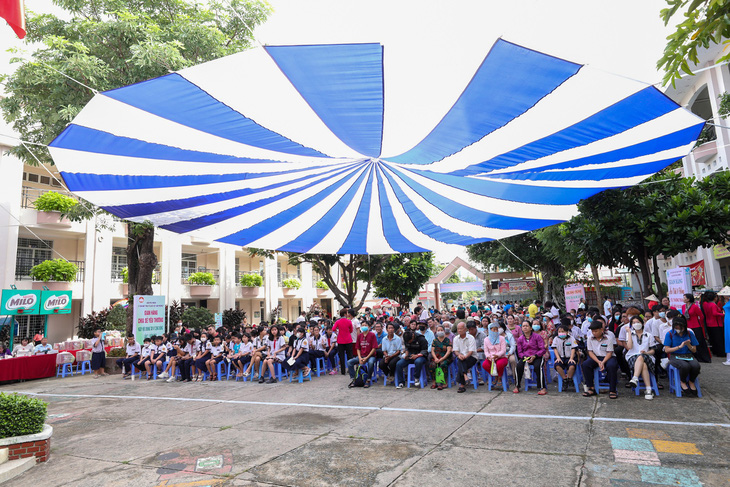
(361, 377)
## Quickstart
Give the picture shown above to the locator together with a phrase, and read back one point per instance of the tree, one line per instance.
(402, 275)
(705, 22)
(669, 216)
(105, 45)
(351, 269)
(198, 318)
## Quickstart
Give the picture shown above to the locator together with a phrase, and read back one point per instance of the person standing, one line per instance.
(726, 307)
(714, 321)
(343, 328)
(98, 357)
(695, 322)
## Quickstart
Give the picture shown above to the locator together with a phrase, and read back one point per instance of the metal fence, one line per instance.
(28, 195)
(22, 270)
(187, 272)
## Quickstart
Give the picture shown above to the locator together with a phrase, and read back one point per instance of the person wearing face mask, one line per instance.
(495, 352)
(680, 344)
(530, 350)
(511, 352)
(640, 355)
(416, 353)
(440, 358)
(600, 346)
(300, 353)
(366, 345)
(427, 333)
(566, 352)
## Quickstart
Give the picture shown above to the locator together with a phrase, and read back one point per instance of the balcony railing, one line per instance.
(285, 275)
(29, 195)
(186, 273)
(22, 271)
(156, 276)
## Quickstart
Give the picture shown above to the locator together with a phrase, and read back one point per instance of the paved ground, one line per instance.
(322, 434)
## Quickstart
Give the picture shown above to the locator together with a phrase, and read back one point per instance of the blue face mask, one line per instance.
(493, 336)
(662, 314)
(364, 329)
(589, 320)
(536, 327)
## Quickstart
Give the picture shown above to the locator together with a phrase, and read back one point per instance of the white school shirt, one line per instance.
(192, 348)
(301, 344)
(245, 348)
(276, 347)
(146, 351)
(215, 350)
(664, 328)
(133, 349)
(318, 344)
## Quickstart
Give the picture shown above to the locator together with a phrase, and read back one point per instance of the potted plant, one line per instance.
(50, 206)
(290, 286)
(55, 274)
(322, 288)
(251, 285)
(201, 283)
(22, 428)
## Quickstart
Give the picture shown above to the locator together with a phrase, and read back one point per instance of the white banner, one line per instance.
(149, 316)
(573, 295)
(679, 282)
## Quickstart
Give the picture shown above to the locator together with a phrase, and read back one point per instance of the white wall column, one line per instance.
(11, 183)
(271, 285)
(227, 284)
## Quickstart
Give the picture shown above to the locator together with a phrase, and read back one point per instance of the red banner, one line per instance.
(697, 270)
(13, 11)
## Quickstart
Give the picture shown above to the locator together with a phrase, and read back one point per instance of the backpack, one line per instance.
(361, 377)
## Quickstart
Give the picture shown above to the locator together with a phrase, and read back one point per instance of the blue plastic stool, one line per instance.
(321, 364)
(411, 372)
(532, 382)
(219, 370)
(577, 379)
(505, 382)
(599, 381)
(641, 385)
(301, 376)
(64, 369)
(674, 385)
(83, 367)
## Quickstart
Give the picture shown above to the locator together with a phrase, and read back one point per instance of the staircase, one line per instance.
(10, 469)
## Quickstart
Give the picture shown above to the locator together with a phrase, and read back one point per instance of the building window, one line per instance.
(31, 252)
(189, 264)
(278, 272)
(33, 178)
(119, 262)
(28, 326)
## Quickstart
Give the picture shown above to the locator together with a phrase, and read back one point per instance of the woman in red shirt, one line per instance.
(343, 328)
(715, 322)
(695, 322)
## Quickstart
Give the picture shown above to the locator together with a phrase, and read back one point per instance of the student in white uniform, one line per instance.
(214, 358)
(158, 353)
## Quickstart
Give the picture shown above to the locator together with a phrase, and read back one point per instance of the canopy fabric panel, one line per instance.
(301, 148)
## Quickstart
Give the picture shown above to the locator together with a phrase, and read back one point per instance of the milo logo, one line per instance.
(27, 301)
(55, 302)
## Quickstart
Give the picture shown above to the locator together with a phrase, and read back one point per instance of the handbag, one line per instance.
(493, 372)
(439, 376)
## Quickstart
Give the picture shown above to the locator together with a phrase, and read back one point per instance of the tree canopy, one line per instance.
(402, 276)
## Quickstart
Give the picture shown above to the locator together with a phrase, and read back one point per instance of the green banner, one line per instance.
(20, 302)
(55, 303)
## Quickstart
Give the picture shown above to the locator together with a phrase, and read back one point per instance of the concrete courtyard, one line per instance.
(114, 432)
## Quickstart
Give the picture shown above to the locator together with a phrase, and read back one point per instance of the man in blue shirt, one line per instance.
(391, 345)
(379, 335)
(43, 347)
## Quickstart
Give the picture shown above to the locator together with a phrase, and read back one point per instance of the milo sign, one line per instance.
(20, 302)
(55, 302)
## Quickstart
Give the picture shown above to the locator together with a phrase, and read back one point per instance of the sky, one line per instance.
(625, 37)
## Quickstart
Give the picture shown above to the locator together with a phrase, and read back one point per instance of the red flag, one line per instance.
(13, 11)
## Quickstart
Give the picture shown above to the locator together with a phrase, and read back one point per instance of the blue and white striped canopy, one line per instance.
(301, 148)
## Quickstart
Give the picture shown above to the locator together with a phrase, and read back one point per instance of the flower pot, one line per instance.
(125, 289)
(52, 218)
(52, 285)
(289, 292)
(200, 290)
(250, 291)
(26, 446)
(322, 292)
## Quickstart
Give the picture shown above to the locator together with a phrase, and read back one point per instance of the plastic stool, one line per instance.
(63, 369)
(577, 378)
(321, 364)
(641, 385)
(599, 381)
(83, 367)
(674, 385)
(301, 376)
(411, 372)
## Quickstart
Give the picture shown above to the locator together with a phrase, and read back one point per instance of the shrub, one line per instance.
(175, 310)
(204, 278)
(194, 317)
(52, 201)
(125, 275)
(21, 415)
(233, 317)
(322, 285)
(95, 320)
(252, 280)
(117, 352)
(291, 283)
(117, 318)
(54, 270)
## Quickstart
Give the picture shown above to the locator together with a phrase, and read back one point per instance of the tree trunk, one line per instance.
(596, 284)
(657, 279)
(645, 275)
(141, 263)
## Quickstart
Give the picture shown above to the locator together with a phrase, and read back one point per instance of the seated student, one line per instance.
(234, 353)
(679, 344)
(600, 347)
(392, 347)
(366, 345)
(440, 358)
(464, 349)
(144, 357)
(565, 347)
(416, 353)
(259, 352)
(330, 351)
(243, 352)
(43, 347)
(495, 350)
(169, 343)
(23, 345)
(530, 351)
(133, 351)
(300, 353)
(276, 349)
(201, 358)
(158, 353)
(214, 357)
(317, 346)
(186, 357)
(640, 345)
